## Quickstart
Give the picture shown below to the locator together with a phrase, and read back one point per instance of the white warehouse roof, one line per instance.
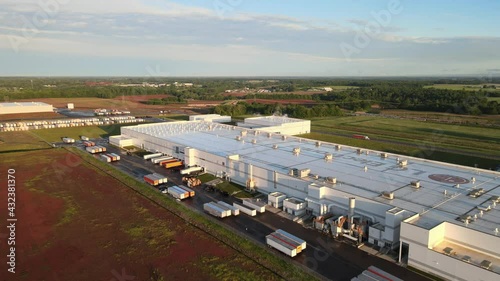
(363, 175)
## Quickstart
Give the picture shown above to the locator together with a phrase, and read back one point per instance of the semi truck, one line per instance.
(176, 193)
(187, 189)
(149, 156)
(157, 160)
(285, 242)
(361, 137)
(234, 211)
(281, 245)
(214, 210)
(246, 210)
(173, 164)
(191, 170)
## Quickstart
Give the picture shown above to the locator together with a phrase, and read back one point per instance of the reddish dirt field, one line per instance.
(31, 116)
(76, 223)
(141, 98)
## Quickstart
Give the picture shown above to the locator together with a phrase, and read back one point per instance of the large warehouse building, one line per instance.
(443, 218)
(24, 107)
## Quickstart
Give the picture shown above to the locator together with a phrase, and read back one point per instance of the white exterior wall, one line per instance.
(26, 107)
(421, 241)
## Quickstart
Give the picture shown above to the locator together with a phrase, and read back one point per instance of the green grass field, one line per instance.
(462, 87)
(464, 145)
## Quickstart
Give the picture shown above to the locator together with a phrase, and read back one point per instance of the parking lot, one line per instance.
(333, 259)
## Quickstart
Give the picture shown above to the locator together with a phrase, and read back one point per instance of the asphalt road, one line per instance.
(332, 259)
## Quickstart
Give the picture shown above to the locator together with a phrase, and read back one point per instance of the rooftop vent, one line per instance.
(315, 176)
(415, 184)
(388, 195)
(318, 144)
(283, 137)
(367, 152)
(403, 163)
(359, 150)
(269, 135)
(331, 180)
(464, 218)
(243, 133)
(238, 138)
(296, 151)
(338, 147)
(328, 156)
(476, 192)
(275, 146)
(383, 155)
(473, 179)
(254, 141)
(255, 133)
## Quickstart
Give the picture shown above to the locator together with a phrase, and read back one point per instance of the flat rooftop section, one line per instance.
(24, 104)
(467, 255)
(273, 120)
(438, 199)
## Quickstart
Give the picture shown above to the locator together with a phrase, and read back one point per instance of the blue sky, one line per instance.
(249, 38)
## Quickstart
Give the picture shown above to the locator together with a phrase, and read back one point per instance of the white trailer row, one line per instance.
(155, 179)
(281, 241)
(153, 155)
(95, 149)
(157, 160)
(234, 211)
(261, 208)
(110, 157)
(191, 170)
(215, 210)
(187, 189)
(68, 140)
(177, 193)
(246, 210)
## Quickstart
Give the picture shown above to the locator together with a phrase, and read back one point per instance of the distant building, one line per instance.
(278, 124)
(24, 107)
(211, 118)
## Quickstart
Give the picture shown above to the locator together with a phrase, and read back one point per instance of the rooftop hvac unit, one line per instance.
(415, 184)
(243, 133)
(254, 141)
(331, 180)
(328, 156)
(338, 147)
(293, 172)
(275, 146)
(283, 137)
(296, 151)
(387, 194)
(359, 150)
(495, 199)
(238, 138)
(318, 144)
(403, 163)
(304, 173)
(383, 155)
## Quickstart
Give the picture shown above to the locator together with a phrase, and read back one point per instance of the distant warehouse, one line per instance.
(24, 107)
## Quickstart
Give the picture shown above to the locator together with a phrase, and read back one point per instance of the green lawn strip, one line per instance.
(206, 177)
(222, 233)
(424, 152)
